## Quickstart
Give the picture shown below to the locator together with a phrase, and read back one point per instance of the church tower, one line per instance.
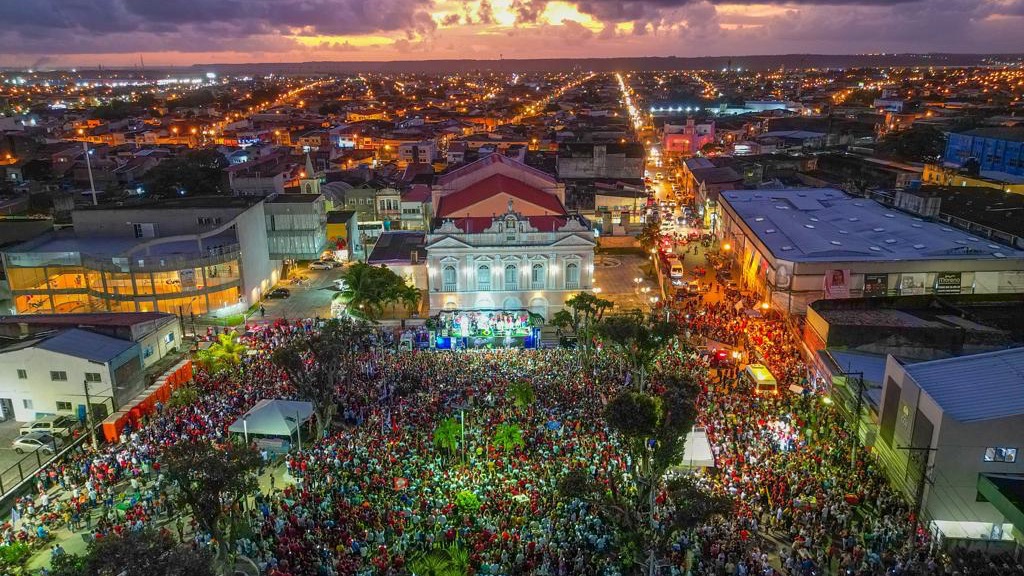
(309, 183)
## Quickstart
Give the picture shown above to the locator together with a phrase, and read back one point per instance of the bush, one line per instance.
(467, 502)
(14, 555)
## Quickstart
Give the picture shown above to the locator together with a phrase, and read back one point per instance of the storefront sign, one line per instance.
(947, 283)
(876, 284)
(837, 283)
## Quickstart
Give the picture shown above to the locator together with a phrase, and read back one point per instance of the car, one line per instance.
(693, 286)
(677, 282)
(34, 441)
(341, 284)
(321, 265)
(279, 293)
(61, 426)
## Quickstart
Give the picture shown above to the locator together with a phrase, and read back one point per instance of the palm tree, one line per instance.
(227, 352)
(508, 437)
(451, 560)
(522, 394)
(446, 435)
(410, 296)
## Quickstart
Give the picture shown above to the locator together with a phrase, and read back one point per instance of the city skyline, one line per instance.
(51, 33)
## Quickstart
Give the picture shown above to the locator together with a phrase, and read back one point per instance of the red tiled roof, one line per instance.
(417, 193)
(477, 224)
(456, 203)
(487, 161)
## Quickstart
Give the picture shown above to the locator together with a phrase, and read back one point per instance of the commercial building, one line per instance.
(951, 430)
(686, 139)
(296, 226)
(588, 160)
(793, 247)
(501, 239)
(157, 334)
(998, 150)
(50, 374)
(177, 256)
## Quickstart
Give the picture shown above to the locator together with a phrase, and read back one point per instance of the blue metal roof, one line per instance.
(85, 344)
(977, 387)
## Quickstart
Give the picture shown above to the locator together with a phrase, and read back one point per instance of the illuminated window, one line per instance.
(483, 278)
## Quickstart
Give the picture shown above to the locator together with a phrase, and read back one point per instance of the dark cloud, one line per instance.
(485, 12)
(244, 17)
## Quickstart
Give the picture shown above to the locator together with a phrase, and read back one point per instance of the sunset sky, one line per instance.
(50, 33)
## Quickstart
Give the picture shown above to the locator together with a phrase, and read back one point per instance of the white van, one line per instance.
(761, 378)
(675, 268)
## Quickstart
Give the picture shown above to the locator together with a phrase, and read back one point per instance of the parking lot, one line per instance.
(309, 299)
(9, 459)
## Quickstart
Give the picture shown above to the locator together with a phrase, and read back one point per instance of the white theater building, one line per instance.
(501, 239)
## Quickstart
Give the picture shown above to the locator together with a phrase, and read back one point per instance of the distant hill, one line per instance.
(613, 64)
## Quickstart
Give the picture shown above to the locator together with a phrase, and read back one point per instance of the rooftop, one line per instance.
(997, 392)
(185, 202)
(397, 247)
(826, 225)
(78, 343)
(455, 204)
(1013, 134)
(294, 198)
(92, 319)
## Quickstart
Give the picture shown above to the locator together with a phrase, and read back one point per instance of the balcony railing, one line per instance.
(448, 287)
(570, 285)
(511, 286)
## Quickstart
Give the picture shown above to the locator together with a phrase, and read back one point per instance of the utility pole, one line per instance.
(923, 453)
(856, 414)
(88, 415)
(88, 166)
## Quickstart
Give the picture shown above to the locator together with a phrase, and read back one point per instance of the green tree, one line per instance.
(650, 236)
(197, 173)
(638, 339)
(652, 428)
(184, 396)
(447, 435)
(144, 553)
(211, 479)
(369, 289)
(508, 437)
(451, 560)
(584, 311)
(223, 354)
(522, 395)
(915, 144)
(318, 363)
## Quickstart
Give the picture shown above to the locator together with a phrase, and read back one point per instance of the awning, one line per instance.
(273, 418)
(1006, 493)
(697, 452)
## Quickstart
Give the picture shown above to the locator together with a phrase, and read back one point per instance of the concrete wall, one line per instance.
(38, 394)
(259, 272)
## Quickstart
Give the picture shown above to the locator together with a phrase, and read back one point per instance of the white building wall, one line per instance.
(38, 394)
(259, 272)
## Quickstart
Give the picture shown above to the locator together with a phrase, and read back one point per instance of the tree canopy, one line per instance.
(132, 553)
(915, 144)
(197, 173)
(369, 289)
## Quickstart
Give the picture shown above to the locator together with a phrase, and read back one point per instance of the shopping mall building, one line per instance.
(180, 256)
(793, 247)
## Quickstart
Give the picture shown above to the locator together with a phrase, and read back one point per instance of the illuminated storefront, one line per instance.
(68, 282)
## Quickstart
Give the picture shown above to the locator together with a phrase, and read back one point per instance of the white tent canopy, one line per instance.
(697, 453)
(273, 418)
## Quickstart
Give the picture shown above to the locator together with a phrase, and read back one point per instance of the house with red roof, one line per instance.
(501, 239)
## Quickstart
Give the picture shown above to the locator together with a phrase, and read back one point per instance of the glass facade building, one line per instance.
(74, 281)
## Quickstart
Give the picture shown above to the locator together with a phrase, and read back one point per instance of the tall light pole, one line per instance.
(89, 422)
(88, 167)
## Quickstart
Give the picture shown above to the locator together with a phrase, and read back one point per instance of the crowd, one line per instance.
(375, 493)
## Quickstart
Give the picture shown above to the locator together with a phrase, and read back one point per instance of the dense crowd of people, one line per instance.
(378, 490)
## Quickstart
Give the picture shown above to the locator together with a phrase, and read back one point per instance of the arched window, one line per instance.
(309, 188)
(572, 276)
(448, 278)
(483, 277)
(537, 277)
(511, 277)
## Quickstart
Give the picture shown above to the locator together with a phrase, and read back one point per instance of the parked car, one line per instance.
(34, 441)
(321, 265)
(61, 426)
(279, 293)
